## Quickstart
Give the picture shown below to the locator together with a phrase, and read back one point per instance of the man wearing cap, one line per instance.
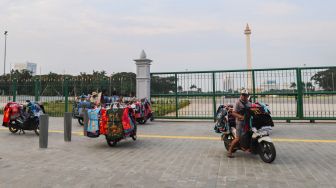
(239, 112)
(94, 98)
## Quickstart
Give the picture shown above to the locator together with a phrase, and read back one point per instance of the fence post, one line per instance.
(66, 94)
(44, 126)
(214, 95)
(299, 94)
(67, 126)
(14, 91)
(36, 89)
(253, 86)
(176, 97)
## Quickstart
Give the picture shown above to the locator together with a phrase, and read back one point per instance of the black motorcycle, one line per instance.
(27, 120)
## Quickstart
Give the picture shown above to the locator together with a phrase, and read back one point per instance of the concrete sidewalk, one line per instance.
(167, 162)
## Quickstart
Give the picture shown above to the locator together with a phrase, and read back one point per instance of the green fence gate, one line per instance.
(292, 93)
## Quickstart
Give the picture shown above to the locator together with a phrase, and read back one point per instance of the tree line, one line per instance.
(123, 83)
(53, 84)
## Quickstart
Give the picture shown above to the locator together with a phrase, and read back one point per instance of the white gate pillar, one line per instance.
(143, 76)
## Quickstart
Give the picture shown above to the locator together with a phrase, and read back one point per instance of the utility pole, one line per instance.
(6, 33)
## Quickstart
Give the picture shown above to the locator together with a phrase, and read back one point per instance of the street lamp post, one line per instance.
(6, 32)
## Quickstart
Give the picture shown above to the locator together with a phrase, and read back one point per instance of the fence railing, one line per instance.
(292, 93)
(58, 95)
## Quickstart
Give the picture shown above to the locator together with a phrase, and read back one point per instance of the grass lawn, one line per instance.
(163, 109)
(56, 109)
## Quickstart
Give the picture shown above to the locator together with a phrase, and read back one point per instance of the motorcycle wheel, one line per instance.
(134, 137)
(13, 129)
(80, 121)
(37, 131)
(267, 151)
(228, 138)
(142, 121)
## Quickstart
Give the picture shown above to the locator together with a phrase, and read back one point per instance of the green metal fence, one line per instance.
(292, 93)
(58, 95)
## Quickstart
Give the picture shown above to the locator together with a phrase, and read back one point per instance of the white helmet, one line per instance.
(244, 92)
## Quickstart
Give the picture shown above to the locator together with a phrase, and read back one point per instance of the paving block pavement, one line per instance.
(191, 157)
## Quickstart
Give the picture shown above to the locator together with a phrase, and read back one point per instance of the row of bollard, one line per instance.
(44, 127)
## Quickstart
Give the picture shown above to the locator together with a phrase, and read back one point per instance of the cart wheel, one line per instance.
(111, 143)
(134, 137)
(142, 121)
(151, 117)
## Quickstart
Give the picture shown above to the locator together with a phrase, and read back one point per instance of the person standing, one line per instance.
(240, 111)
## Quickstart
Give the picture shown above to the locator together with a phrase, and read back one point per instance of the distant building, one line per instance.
(26, 66)
(269, 85)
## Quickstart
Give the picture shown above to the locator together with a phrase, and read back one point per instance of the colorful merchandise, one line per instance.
(93, 123)
(114, 125)
(103, 121)
(127, 121)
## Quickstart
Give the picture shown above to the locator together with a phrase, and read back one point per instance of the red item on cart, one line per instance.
(125, 120)
(103, 121)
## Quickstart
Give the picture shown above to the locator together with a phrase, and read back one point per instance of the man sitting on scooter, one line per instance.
(239, 112)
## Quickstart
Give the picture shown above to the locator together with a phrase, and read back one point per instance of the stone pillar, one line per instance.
(143, 76)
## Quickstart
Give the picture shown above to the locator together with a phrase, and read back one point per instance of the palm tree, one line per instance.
(309, 86)
(179, 89)
(193, 86)
(293, 85)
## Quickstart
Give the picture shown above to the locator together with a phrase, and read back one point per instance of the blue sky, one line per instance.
(75, 36)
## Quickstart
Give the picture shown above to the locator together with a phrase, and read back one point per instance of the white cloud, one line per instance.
(277, 8)
(79, 34)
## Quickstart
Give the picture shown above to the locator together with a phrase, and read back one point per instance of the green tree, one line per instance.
(124, 83)
(326, 79)
(162, 85)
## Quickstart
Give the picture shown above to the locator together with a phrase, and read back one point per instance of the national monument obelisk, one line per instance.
(247, 32)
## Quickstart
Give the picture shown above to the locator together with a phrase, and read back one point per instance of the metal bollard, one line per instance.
(44, 126)
(67, 126)
(85, 120)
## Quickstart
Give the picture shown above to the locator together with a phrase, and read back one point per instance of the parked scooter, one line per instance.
(77, 110)
(143, 111)
(19, 117)
(256, 140)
